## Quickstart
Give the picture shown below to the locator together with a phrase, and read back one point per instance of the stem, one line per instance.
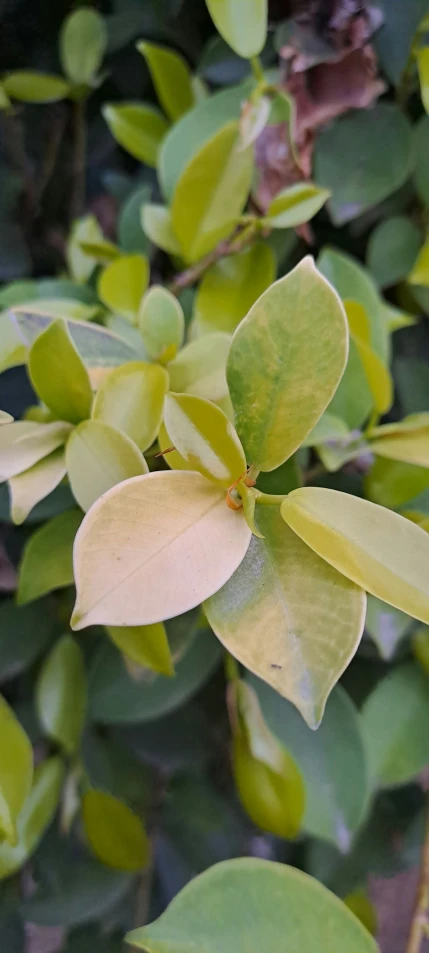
(420, 919)
(238, 242)
(270, 499)
(77, 202)
(257, 69)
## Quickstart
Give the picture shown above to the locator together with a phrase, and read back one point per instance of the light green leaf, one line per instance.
(392, 483)
(115, 834)
(24, 443)
(211, 193)
(394, 721)
(32, 87)
(12, 349)
(287, 617)
(147, 645)
(131, 399)
(291, 350)
(379, 550)
(16, 771)
(199, 368)
(67, 308)
(161, 555)
(353, 282)
(327, 428)
(123, 283)
(61, 694)
(231, 286)
(171, 78)
(378, 376)
(386, 626)
(242, 23)
(162, 324)
(5, 418)
(295, 205)
(264, 906)
(205, 438)
(102, 251)
(138, 128)
(392, 250)
(47, 562)
(98, 457)
(83, 42)
(420, 272)
(97, 347)
(28, 488)
(423, 68)
(58, 374)
(407, 441)
(156, 224)
(35, 816)
(352, 400)
(84, 230)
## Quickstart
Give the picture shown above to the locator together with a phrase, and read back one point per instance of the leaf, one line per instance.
(242, 23)
(59, 375)
(230, 287)
(97, 346)
(354, 283)
(31, 87)
(84, 891)
(16, 771)
(394, 39)
(336, 789)
(47, 562)
(116, 835)
(408, 446)
(420, 272)
(205, 438)
(156, 224)
(123, 283)
(265, 906)
(359, 903)
(61, 694)
(379, 550)
(392, 484)
(394, 718)
(420, 147)
(28, 488)
(131, 236)
(253, 120)
(386, 626)
(328, 428)
(377, 375)
(295, 205)
(147, 645)
(138, 128)
(423, 68)
(24, 634)
(24, 443)
(35, 816)
(83, 42)
(5, 418)
(290, 350)
(99, 457)
(287, 617)
(392, 250)
(131, 399)
(211, 193)
(199, 368)
(162, 324)
(84, 231)
(171, 78)
(156, 530)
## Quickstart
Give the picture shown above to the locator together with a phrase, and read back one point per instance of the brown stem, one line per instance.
(421, 911)
(59, 117)
(229, 246)
(77, 202)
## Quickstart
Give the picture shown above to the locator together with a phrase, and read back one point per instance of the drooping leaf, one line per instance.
(162, 324)
(85, 230)
(290, 350)
(28, 488)
(31, 87)
(47, 562)
(200, 367)
(138, 127)
(35, 816)
(58, 374)
(97, 346)
(407, 442)
(423, 68)
(241, 23)
(116, 835)
(61, 694)
(295, 205)
(99, 457)
(157, 225)
(392, 250)
(24, 443)
(171, 78)
(16, 771)
(205, 438)
(231, 286)
(147, 645)
(386, 626)
(123, 283)
(83, 41)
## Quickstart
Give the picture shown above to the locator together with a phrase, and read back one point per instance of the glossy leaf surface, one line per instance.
(131, 398)
(24, 443)
(162, 324)
(205, 438)
(123, 284)
(230, 287)
(58, 374)
(99, 457)
(147, 645)
(295, 205)
(28, 488)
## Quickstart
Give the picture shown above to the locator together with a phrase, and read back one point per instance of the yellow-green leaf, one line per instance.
(392, 483)
(138, 128)
(16, 771)
(115, 834)
(379, 550)
(80, 264)
(101, 250)
(407, 441)
(131, 398)
(154, 547)
(162, 324)
(145, 644)
(61, 694)
(359, 903)
(24, 443)
(58, 374)
(157, 225)
(171, 78)
(242, 23)
(47, 562)
(289, 352)
(377, 374)
(295, 205)
(33, 87)
(83, 41)
(35, 817)
(288, 617)
(205, 438)
(423, 68)
(230, 287)
(98, 457)
(123, 283)
(28, 488)
(420, 272)
(211, 193)
(199, 368)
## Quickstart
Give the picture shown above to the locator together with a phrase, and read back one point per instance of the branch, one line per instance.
(420, 919)
(230, 246)
(77, 199)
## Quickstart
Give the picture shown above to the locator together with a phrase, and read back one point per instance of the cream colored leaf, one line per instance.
(24, 443)
(98, 457)
(28, 488)
(131, 398)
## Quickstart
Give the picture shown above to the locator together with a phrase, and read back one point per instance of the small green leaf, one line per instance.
(28, 488)
(162, 324)
(35, 817)
(25, 632)
(61, 694)
(47, 562)
(242, 23)
(211, 193)
(98, 457)
(24, 443)
(295, 205)
(32, 87)
(171, 78)
(138, 128)
(231, 286)
(58, 374)
(423, 68)
(386, 625)
(123, 283)
(83, 42)
(16, 771)
(80, 263)
(392, 250)
(354, 283)
(115, 834)
(200, 366)
(147, 645)
(131, 399)
(205, 438)
(101, 251)
(156, 224)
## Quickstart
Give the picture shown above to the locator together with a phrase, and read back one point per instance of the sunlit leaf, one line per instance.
(59, 375)
(16, 771)
(98, 457)
(205, 438)
(28, 488)
(139, 129)
(32, 87)
(25, 442)
(199, 368)
(83, 41)
(123, 283)
(147, 645)
(61, 694)
(230, 287)
(242, 23)
(423, 68)
(407, 442)
(162, 324)
(84, 230)
(157, 225)
(171, 78)
(35, 816)
(131, 399)
(115, 834)
(295, 205)
(47, 562)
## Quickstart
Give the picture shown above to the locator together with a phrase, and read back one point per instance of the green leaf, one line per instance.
(16, 771)
(377, 375)
(423, 68)
(130, 234)
(35, 816)
(253, 120)
(407, 441)
(379, 550)
(242, 23)
(328, 428)
(420, 272)
(115, 834)
(291, 350)
(123, 283)
(394, 39)
(58, 374)
(392, 484)
(199, 368)
(28, 488)
(101, 251)
(31, 87)
(83, 42)
(24, 443)
(47, 561)
(336, 788)
(264, 906)
(205, 438)
(354, 283)
(99, 457)
(295, 205)
(275, 615)
(171, 78)
(156, 224)
(147, 645)
(392, 250)
(211, 193)
(138, 128)
(12, 349)
(386, 625)
(85, 231)
(394, 721)
(97, 346)
(25, 632)
(162, 324)
(131, 399)
(61, 694)
(84, 891)
(420, 151)
(230, 287)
